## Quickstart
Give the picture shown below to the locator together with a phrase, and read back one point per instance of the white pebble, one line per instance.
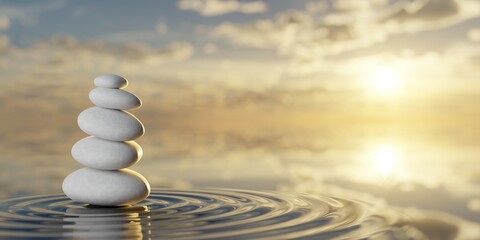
(105, 154)
(110, 81)
(106, 188)
(114, 98)
(110, 124)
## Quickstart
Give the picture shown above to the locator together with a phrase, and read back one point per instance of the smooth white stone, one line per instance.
(110, 124)
(110, 81)
(114, 98)
(103, 154)
(106, 188)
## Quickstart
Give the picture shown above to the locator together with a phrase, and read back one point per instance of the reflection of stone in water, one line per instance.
(106, 222)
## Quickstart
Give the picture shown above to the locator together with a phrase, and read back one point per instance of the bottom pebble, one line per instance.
(106, 187)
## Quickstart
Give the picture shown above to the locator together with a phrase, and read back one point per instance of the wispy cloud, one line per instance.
(220, 7)
(4, 42)
(161, 27)
(348, 25)
(474, 35)
(27, 15)
(210, 48)
(4, 22)
(130, 36)
(65, 53)
(422, 15)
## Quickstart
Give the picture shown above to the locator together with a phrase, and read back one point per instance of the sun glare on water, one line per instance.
(385, 158)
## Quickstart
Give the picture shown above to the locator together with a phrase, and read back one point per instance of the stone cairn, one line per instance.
(110, 149)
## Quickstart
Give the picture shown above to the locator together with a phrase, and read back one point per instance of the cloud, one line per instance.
(297, 35)
(28, 14)
(349, 25)
(474, 205)
(4, 42)
(424, 10)
(4, 22)
(220, 7)
(422, 15)
(161, 27)
(65, 53)
(474, 35)
(210, 48)
(130, 36)
(177, 51)
(316, 7)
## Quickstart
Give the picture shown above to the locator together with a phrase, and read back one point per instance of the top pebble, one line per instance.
(110, 81)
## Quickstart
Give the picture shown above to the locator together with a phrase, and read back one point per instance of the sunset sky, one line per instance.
(243, 72)
(241, 65)
(273, 50)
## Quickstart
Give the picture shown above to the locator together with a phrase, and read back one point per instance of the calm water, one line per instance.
(417, 180)
(204, 214)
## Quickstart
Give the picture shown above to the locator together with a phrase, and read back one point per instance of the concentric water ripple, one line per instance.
(200, 214)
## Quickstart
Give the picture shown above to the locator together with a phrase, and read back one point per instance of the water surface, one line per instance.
(203, 214)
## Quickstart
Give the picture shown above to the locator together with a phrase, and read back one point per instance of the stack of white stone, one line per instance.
(110, 148)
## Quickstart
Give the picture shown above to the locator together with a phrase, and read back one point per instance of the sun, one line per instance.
(385, 81)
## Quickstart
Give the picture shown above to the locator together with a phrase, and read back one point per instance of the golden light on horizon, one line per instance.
(385, 157)
(385, 81)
